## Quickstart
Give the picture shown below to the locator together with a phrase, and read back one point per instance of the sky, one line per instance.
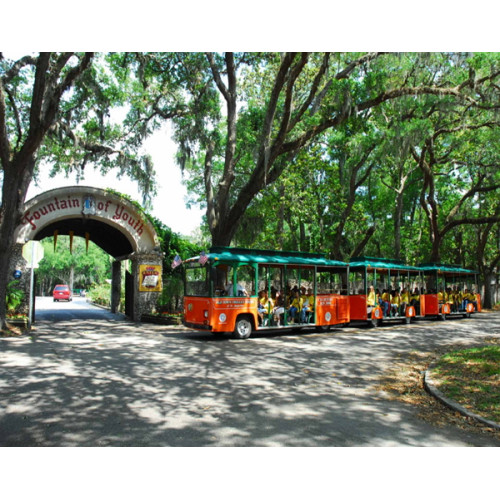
(169, 205)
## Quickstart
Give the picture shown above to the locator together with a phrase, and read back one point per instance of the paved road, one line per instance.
(109, 382)
(79, 309)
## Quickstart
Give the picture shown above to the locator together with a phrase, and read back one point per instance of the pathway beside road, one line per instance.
(104, 381)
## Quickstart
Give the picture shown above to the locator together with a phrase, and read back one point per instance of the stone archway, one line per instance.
(111, 222)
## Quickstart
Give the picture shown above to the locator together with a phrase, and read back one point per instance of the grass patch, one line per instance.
(404, 382)
(471, 377)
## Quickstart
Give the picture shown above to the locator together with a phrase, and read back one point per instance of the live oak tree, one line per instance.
(487, 255)
(451, 143)
(467, 128)
(455, 176)
(55, 114)
(243, 121)
(260, 110)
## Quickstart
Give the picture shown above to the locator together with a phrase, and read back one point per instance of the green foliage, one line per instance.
(100, 293)
(365, 174)
(87, 128)
(383, 154)
(170, 299)
(172, 244)
(15, 296)
(60, 265)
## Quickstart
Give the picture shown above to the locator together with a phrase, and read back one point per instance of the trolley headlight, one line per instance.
(205, 313)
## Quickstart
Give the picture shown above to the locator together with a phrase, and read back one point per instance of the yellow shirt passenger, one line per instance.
(370, 300)
(396, 300)
(297, 302)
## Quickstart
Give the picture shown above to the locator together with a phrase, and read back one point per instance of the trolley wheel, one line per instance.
(374, 322)
(243, 328)
(325, 328)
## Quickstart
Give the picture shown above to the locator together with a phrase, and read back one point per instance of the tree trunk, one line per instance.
(487, 301)
(15, 185)
(362, 244)
(223, 233)
(71, 277)
(303, 243)
(281, 217)
(436, 248)
(398, 215)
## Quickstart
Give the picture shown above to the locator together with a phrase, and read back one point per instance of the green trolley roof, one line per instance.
(379, 263)
(253, 256)
(445, 268)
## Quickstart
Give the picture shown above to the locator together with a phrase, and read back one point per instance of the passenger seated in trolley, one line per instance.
(265, 307)
(371, 299)
(395, 302)
(307, 306)
(415, 300)
(449, 299)
(469, 298)
(279, 309)
(385, 301)
(457, 299)
(240, 290)
(295, 306)
(405, 301)
(260, 306)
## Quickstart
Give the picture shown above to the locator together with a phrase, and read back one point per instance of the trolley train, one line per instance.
(240, 291)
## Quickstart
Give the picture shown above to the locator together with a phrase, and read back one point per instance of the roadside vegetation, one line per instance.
(471, 377)
(405, 382)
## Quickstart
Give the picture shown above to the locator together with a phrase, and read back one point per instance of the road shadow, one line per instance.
(114, 383)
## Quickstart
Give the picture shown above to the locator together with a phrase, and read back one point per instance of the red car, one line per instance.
(62, 292)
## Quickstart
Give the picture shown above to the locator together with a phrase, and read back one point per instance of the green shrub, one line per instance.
(14, 297)
(101, 294)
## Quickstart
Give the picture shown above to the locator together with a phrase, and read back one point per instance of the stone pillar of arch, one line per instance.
(116, 285)
(112, 222)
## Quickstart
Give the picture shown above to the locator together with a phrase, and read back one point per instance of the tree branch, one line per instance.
(361, 245)
(217, 77)
(17, 66)
(264, 149)
(286, 126)
(230, 94)
(468, 220)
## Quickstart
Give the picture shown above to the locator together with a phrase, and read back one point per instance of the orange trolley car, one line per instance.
(240, 291)
(379, 290)
(449, 291)
(389, 290)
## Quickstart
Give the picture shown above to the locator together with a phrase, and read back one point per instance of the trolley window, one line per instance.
(197, 280)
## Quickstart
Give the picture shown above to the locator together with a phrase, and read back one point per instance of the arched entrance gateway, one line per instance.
(112, 223)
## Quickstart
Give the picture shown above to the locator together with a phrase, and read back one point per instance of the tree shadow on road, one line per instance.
(106, 383)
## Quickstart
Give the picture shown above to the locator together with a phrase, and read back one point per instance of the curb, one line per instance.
(434, 391)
